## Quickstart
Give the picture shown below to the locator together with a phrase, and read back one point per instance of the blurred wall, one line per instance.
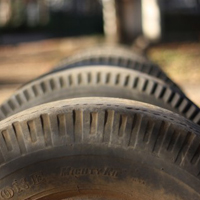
(26, 20)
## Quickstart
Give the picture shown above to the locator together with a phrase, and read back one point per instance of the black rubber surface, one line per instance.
(103, 82)
(99, 148)
(114, 56)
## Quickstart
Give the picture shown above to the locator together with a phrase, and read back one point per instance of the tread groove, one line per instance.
(52, 84)
(108, 125)
(89, 77)
(20, 137)
(98, 77)
(70, 79)
(43, 87)
(117, 80)
(4, 111)
(2, 115)
(197, 119)
(149, 68)
(61, 82)
(108, 75)
(26, 94)
(78, 128)
(154, 88)
(127, 79)
(61, 121)
(196, 156)
(19, 99)
(162, 92)
(148, 132)
(46, 129)
(93, 123)
(32, 130)
(128, 64)
(122, 125)
(79, 78)
(7, 140)
(185, 106)
(160, 138)
(11, 104)
(35, 91)
(171, 97)
(145, 85)
(175, 100)
(173, 141)
(179, 103)
(143, 68)
(184, 148)
(136, 65)
(137, 120)
(135, 84)
(195, 113)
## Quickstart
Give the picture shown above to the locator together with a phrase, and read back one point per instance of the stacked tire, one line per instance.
(104, 124)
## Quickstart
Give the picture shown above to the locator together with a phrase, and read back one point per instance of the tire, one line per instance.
(102, 82)
(114, 56)
(99, 148)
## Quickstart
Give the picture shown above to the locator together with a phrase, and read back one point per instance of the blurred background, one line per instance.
(36, 34)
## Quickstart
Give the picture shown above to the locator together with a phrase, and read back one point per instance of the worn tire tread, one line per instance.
(103, 121)
(115, 56)
(100, 76)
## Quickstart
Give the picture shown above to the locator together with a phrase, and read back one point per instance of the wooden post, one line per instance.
(110, 20)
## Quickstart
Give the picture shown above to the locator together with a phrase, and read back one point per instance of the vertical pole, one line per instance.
(151, 19)
(110, 20)
(43, 12)
(5, 12)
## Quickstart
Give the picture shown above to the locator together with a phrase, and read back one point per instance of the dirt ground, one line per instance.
(181, 61)
(23, 62)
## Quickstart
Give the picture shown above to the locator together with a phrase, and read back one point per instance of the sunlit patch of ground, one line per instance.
(182, 63)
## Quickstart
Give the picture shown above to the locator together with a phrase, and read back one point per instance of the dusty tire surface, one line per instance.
(99, 148)
(115, 56)
(103, 82)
